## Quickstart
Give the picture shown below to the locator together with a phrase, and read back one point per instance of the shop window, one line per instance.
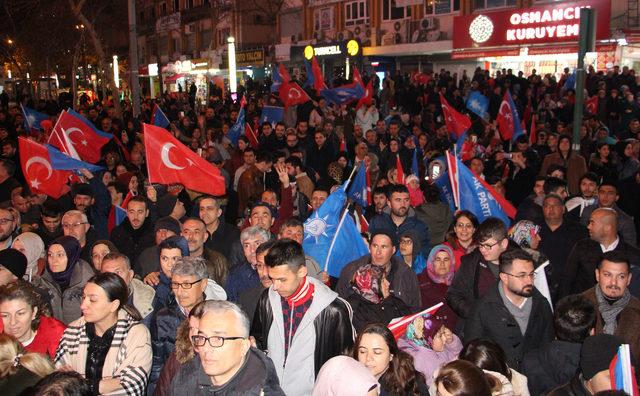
(356, 13)
(482, 4)
(176, 5)
(390, 12)
(438, 7)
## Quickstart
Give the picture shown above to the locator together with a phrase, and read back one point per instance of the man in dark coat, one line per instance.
(557, 362)
(513, 313)
(134, 234)
(402, 280)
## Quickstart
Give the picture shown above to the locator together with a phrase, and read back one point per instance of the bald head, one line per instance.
(603, 225)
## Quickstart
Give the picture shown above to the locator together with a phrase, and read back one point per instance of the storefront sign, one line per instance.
(551, 23)
(250, 58)
(168, 23)
(199, 65)
(474, 54)
(348, 48)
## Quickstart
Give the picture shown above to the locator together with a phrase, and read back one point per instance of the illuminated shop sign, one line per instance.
(345, 48)
(552, 23)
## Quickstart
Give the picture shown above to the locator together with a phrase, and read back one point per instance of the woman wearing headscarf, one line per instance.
(372, 302)
(32, 247)
(527, 235)
(435, 281)
(430, 343)
(65, 276)
(345, 376)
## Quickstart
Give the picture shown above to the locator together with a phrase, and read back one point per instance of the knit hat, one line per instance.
(168, 223)
(14, 261)
(597, 352)
(166, 204)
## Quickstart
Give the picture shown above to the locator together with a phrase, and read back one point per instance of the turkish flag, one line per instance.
(357, 79)
(318, 78)
(251, 135)
(38, 171)
(505, 119)
(456, 122)
(592, 104)
(533, 134)
(367, 99)
(292, 94)
(169, 161)
(77, 138)
(400, 171)
(284, 73)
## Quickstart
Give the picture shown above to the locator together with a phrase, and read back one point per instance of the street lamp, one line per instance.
(9, 41)
(116, 72)
(233, 82)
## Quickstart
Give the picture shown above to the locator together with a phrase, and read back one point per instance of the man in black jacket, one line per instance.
(299, 320)
(134, 234)
(513, 313)
(226, 363)
(557, 362)
(579, 274)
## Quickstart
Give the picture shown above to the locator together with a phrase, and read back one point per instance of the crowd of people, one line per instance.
(200, 294)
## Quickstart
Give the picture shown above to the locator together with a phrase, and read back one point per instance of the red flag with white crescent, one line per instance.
(505, 119)
(169, 161)
(456, 122)
(292, 94)
(592, 104)
(398, 326)
(400, 174)
(38, 171)
(251, 135)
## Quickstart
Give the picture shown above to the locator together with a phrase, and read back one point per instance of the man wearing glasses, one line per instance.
(7, 228)
(75, 224)
(226, 362)
(190, 285)
(513, 313)
(478, 270)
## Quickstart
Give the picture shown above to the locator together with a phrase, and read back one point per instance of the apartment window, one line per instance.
(163, 9)
(190, 43)
(141, 17)
(356, 13)
(482, 4)
(163, 45)
(189, 4)
(390, 12)
(176, 43)
(438, 7)
(176, 5)
(222, 36)
(205, 39)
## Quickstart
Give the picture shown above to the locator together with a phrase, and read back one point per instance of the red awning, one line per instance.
(173, 78)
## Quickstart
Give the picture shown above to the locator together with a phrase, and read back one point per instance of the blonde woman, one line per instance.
(20, 370)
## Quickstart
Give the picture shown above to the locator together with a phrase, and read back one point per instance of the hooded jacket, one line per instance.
(324, 332)
(256, 377)
(65, 305)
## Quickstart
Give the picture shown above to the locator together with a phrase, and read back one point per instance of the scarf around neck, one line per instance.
(611, 311)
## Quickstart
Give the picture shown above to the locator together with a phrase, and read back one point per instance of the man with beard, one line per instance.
(7, 227)
(618, 312)
(248, 299)
(513, 313)
(587, 196)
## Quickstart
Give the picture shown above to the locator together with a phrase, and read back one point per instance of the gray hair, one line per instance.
(191, 266)
(83, 216)
(220, 306)
(254, 232)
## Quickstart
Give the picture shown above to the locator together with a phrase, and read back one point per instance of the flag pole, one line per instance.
(335, 235)
(348, 181)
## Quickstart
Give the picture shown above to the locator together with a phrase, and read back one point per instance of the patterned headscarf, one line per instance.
(431, 271)
(523, 232)
(422, 330)
(367, 282)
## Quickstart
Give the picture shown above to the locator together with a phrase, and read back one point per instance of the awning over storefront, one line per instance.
(426, 48)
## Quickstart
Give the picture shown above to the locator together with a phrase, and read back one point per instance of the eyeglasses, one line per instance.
(184, 285)
(214, 341)
(6, 221)
(467, 226)
(488, 246)
(406, 242)
(69, 225)
(531, 275)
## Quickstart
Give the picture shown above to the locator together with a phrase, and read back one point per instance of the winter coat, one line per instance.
(48, 336)
(628, 319)
(128, 359)
(132, 242)
(65, 305)
(575, 387)
(324, 332)
(551, 366)
(256, 377)
(241, 278)
(402, 280)
(426, 360)
(437, 216)
(366, 312)
(383, 222)
(164, 326)
(142, 296)
(433, 293)
(579, 272)
(492, 320)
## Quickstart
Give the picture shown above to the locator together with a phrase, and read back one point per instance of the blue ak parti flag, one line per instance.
(414, 163)
(475, 198)
(478, 104)
(272, 115)
(121, 214)
(570, 82)
(358, 188)
(343, 94)
(276, 78)
(237, 129)
(460, 142)
(158, 118)
(331, 239)
(90, 124)
(61, 161)
(33, 118)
